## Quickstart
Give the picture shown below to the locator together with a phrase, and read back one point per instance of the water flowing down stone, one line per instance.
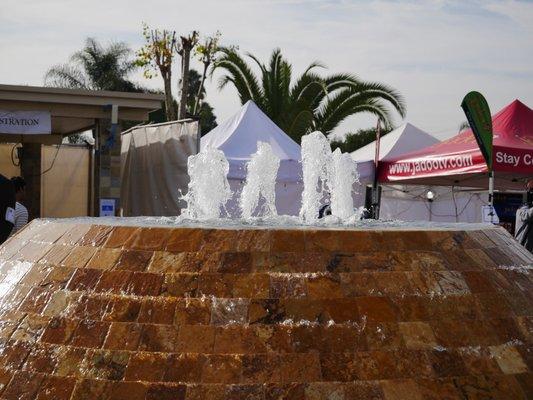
(208, 189)
(342, 179)
(262, 171)
(316, 166)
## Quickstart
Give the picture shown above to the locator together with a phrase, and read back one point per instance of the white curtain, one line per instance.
(154, 168)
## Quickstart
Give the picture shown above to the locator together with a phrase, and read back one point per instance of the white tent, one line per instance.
(408, 202)
(402, 140)
(238, 136)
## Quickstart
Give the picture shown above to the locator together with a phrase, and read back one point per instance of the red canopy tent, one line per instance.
(458, 161)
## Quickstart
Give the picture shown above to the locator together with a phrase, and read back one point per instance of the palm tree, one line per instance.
(310, 102)
(96, 68)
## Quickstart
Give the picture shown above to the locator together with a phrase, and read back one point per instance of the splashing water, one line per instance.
(342, 178)
(316, 165)
(260, 182)
(208, 189)
(327, 176)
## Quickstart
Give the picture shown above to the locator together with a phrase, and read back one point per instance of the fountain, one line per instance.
(215, 309)
(343, 177)
(208, 188)
(316, 160)
(260, 183)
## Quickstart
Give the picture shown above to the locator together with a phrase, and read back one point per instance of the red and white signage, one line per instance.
(460, 155)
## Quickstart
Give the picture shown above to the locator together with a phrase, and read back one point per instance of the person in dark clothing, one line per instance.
(524, 220)
(7, 207)
(324, 211)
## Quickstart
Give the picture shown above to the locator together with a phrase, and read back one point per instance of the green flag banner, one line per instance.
(477, 112)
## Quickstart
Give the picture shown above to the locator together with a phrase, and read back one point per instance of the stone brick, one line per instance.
(417, 335)
(146, 313)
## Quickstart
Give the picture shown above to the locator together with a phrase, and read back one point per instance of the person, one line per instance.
(7, 208)
(524, 220)
(324, 211)
(21, 212)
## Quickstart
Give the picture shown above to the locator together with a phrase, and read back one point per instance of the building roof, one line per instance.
(74, 110)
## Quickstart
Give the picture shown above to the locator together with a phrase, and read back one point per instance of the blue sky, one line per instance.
(433, 52)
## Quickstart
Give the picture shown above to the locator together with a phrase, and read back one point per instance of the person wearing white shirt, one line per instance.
(21, 212)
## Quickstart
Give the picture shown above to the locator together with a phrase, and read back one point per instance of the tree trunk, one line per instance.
(184, 82)
(197, 102)
(170, 111)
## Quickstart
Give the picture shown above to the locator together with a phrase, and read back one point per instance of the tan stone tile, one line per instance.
(105, 258)
(123, 336)
(401, 390)
(30, 328)
(128, 391)
(149, 239)
(184, 240)
(324, 286)
(417, 335)
(24, 385)
(509, 359)
(229, 311)
(149, 367)
(287, 286)
(161, 338)
(325, 390)
(222, 369)
(79, 256)
(119, 236)
(186, 367)
(95, 236)
(299, 367)
(288, 240)
(74, 234)
(165, 262)
(57, 254)
(196, 339)
(134, 260)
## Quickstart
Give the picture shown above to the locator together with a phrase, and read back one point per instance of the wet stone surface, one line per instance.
(92, 311)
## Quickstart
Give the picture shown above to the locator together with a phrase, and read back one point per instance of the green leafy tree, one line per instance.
(205, 114)
(96, 68)
(354, 141)
(309, 102)
(206, 52)
(207, 118)
(197, 92)
(186, 46)
(156, 57)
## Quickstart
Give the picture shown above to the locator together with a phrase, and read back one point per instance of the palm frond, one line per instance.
(385, 93)
(309, 101)
(313, 65)
(96, 67)
(241, 74)
(65, 76)
(345, 104)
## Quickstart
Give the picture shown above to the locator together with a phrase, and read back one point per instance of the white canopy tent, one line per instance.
(402, 140)
(408, 202)
(238, 136)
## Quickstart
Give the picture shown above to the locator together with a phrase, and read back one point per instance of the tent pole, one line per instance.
(491, 196)
(375, 189)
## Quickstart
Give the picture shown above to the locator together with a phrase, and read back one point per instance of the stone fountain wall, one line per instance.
(115, 312)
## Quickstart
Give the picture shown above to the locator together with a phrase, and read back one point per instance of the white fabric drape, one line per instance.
(154, 168)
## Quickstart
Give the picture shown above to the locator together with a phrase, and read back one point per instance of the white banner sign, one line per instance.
(25, 122)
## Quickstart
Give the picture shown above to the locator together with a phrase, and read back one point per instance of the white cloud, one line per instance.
(433, 51)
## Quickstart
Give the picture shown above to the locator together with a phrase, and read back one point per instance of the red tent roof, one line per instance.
(458, 160)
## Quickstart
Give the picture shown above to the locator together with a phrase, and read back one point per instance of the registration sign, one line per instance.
(25, 122)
